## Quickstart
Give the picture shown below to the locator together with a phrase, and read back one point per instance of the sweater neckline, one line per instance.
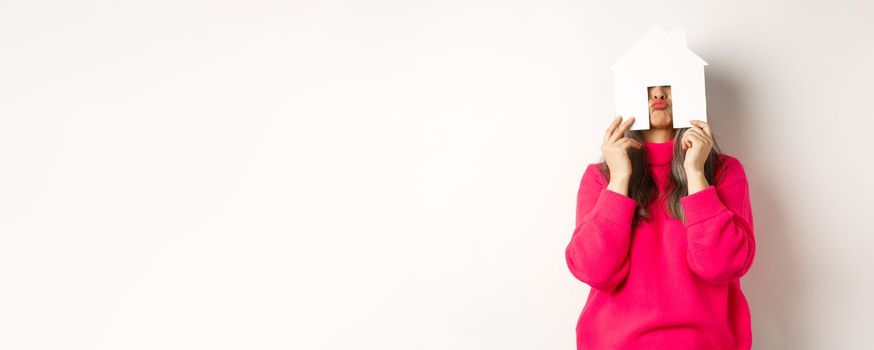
(659, 153)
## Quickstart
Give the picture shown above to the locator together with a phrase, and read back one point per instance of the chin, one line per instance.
(660, 119)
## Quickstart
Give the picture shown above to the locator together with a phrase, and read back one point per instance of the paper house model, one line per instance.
(660, 58)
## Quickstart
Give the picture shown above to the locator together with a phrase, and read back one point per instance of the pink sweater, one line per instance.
(666, 284)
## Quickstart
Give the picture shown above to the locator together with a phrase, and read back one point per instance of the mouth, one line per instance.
(659, 104)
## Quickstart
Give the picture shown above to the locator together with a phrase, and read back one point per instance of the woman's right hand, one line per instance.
(615, 149)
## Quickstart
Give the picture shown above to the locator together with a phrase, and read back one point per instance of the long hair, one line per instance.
(642, 187)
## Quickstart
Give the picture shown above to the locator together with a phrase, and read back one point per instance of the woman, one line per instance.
(664, 231)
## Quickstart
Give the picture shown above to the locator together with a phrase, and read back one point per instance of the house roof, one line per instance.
(658, 44)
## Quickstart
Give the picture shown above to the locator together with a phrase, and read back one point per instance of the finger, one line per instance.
(685, 139)
(694, 131)
(696, 139)
(612, 127)
(627, 125)
(621, 142)
(620, 131)
(706, 127)
(630, 142)
(699, 130)
(703, 134)
(705, 139)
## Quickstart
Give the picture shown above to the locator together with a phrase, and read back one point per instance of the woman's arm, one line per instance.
(719, 226)
(598, 253)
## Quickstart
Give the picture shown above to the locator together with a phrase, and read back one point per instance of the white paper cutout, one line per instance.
(660, 58)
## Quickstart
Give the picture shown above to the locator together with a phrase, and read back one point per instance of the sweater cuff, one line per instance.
(701, 205)
(614, 206)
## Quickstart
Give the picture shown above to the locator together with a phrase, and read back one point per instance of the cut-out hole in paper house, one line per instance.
(660, 58)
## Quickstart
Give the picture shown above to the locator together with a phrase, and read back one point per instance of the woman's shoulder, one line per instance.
(729, 164)
(727, 160)
(594, 166)
(593, 173)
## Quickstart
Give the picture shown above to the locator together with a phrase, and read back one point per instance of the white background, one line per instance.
(396, 174)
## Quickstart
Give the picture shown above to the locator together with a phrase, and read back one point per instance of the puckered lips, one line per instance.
(659, 104)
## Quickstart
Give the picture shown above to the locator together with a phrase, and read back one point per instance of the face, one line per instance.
(660, 112)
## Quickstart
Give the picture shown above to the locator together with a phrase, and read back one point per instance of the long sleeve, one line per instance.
(598, 253)
(719, 227)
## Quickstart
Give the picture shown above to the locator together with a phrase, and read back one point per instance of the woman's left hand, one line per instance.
(697, 142)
